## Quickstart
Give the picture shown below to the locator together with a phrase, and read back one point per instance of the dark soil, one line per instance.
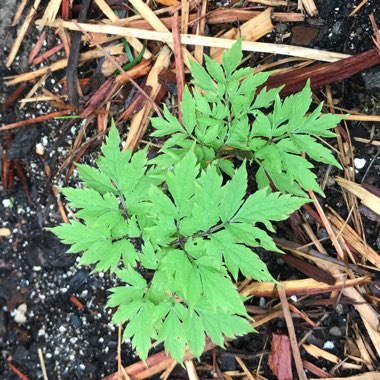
(37, 278)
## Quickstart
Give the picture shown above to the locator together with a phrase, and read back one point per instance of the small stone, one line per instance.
(339, 309)
(294, 298)
(360, 163)
(7, 203)
(20, 316)
(335, 331)
(40, 149)
(329, 345)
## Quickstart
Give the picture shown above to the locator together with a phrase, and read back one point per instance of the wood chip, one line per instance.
(280, 357)
(317, 352)
(251, 30)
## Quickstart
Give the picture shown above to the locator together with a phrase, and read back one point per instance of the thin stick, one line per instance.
(179, 72)
(157, 24)
(107, 10)
(33, 90)
(62, 63)
(244, 368)
(36, 120)
(110, 58)
(198, 51)
(363, 2)
(192, 39)
(327, 225)
(292, 334)
(42, 363)
(191, 371)
(22, 32)
(19, 12)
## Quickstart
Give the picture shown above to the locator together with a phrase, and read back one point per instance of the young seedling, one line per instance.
(178, 244)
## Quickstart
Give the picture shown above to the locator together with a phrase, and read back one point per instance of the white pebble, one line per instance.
(20, 316)
(7, 202)
(40, 149)
(359, 163)
(294, 298)
(328, 345)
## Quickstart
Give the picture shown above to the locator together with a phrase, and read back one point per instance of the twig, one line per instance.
(192, 39)
(179, 72)
(292, 334)
(21, 33)
(362, 3)
(36, 120)
(244, 368)
(42, 363)
(110, 58)
(191, 371)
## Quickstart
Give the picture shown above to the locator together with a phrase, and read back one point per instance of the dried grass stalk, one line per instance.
(134, 42)
(305, 286)
(353, 239)
(51, 11)
(368, 199)
(192, 39)
(309, 7)
(62, 63)
(153, 19)
(21, 34)
(140, 120)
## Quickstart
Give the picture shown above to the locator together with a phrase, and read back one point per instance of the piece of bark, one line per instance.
(73, 59)
(280, 357)
(323, 73)
(310, 270)
(98, 98)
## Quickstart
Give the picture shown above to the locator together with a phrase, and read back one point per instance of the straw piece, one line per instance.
(184, 16)
(51, 11)
(271, 3)
(309, 7)
(62, 63)
(19, 12)
(353, 239)
(368, 199)
(134, 42)
(305, 286)
(153, 19)
(362, 3)
(252, 30)
(191, 371)
(21, 34)
(192, 39)
(198, 51)
(33, 90)
(140, 121)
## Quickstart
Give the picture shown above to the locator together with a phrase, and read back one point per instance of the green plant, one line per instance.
(227, 115)
(179, 243)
